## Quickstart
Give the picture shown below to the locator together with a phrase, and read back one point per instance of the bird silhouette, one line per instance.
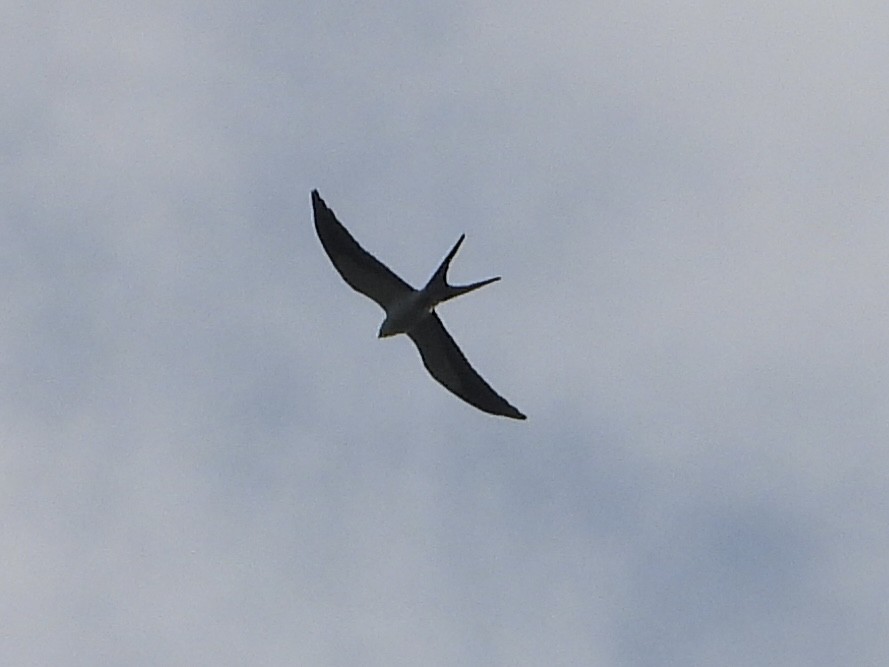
(410, 311)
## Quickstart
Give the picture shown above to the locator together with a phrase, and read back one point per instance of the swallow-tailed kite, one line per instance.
(411, 311)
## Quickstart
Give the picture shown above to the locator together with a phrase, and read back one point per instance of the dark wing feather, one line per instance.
(364, 272)
(444, 360)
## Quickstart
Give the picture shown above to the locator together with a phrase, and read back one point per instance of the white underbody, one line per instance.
(404, 314)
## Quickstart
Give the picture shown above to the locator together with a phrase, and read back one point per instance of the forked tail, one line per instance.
(439, 289)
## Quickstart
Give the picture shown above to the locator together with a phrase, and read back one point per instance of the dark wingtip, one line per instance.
(514, 413)
(321, 211)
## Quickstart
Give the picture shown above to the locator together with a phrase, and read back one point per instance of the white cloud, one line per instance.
(207, 455)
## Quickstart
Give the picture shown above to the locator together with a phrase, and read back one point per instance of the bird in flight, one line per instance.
(411, 311)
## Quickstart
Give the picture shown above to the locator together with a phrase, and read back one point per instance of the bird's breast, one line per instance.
(404, 314)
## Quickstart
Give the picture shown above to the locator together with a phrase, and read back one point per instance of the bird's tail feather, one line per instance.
(459, 290)
(438, 287)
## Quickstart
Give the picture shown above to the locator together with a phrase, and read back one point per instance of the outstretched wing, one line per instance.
(444, 360)
(364, 272)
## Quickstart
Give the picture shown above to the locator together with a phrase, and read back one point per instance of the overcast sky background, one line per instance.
(208, 457)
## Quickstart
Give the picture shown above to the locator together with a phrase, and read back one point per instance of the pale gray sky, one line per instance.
(206, 455)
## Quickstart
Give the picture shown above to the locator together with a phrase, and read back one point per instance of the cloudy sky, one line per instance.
(207, 457)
